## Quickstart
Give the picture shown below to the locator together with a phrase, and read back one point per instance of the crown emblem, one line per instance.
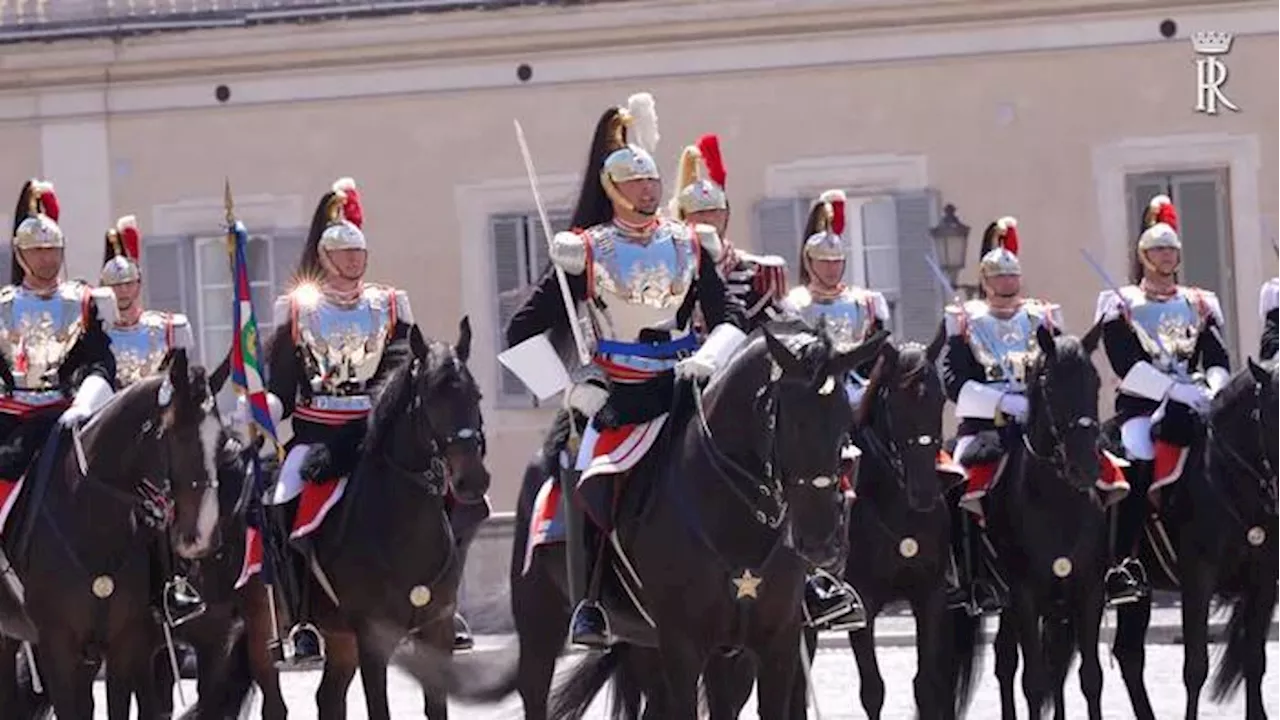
(1207, 42)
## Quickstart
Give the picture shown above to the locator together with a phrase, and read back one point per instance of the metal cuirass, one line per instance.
(37, 332)
(849, 315)
(639, 283)
(141, 347)
(343, 342)
(1006, 347)
(1176, 322)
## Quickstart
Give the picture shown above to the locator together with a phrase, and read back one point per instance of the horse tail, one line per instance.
(1230, 665)
(479, 678)
(233, 693)
(572, 697)
(966, 662)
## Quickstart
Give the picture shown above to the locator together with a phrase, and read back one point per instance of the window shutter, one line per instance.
(1201, 200)
(506, 232)
(920, 299)
(778, 225)
(538, 249)
(880, 253)
(169, 279)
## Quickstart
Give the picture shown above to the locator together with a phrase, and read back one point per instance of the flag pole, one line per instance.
(263, 521)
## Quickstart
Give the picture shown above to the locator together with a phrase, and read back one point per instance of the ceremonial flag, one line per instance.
(246, 346)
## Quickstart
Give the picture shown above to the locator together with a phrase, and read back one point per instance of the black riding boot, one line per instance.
(832, 604)
(304, 645)
(179, 602)
(589, 626)
(970, 589)
(1126, 581)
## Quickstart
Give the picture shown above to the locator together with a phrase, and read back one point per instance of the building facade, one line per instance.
(1068, 114)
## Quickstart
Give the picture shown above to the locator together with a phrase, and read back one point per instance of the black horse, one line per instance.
(1221, 522)
(388, 553)
(81, 545)
(899, 533)
(1047, 523)
(715, 522)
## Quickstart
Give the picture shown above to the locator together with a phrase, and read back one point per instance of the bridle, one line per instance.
(886, 447)
(1266, 476)
(1056, 456)
(435, 478)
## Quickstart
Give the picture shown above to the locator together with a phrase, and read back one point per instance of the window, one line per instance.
(888, 237)
(193, 276)
(520, 256)
(1203, 204)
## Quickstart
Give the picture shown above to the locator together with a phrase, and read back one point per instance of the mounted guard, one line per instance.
(638, 278)
(991, 342)
(140, 340)
(332, 328)
(1268, 302)
(1165, 341)
(55, 357)
(851, 315)
(759, 282)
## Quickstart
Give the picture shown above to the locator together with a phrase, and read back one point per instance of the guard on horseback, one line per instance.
(990, 344)
(332, 328)
(1268, 312)
(1164, 340)
(639, 277)
(140, 339)
(759, 282)
(851, 315)
(56, 364)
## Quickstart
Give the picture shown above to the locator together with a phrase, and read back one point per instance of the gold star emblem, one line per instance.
(747, 585)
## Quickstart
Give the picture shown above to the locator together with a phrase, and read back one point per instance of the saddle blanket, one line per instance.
(252, 564)
(546, 524)
(980, 478)
(616, 450)
(9, 492)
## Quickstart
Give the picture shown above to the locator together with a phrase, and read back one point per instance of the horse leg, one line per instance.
(728, 682)
(119, 693)
(931, 672)
(9, 690)
(778, 675)
(60, 669)
(1034, 670)
(373, 676)
(542, 622)
(1197, 590)
(863, 644)
(1006, 651)
(1257, 628)
(1058, 634)
(682, 664)
(258, 628)
(342, 657)
(1129, 650)
(440, 636)
(1087, 621)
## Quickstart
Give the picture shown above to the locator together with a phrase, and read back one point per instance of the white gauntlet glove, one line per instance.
(1191, 395)
(718, 348)
(93, 393)
(1015, 406)
(589, 391)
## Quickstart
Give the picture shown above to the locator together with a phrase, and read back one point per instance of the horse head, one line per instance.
(434, 402)
(192, 443)
(806, 422)
(901, 412)
(1243, 420)
(1062, 396)
(1265, 378)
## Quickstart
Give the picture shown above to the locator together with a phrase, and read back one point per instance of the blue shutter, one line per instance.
(169, 279)
(880, 253)
(1203, 226)
(510, 267)
(920, 299)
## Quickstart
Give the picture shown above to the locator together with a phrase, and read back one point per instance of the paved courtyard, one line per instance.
(837, 687)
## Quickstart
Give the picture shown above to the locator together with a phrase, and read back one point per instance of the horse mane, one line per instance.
(392, 386)
(913, 359)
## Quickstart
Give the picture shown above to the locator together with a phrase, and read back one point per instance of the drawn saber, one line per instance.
(584, 355)
(1111, 285)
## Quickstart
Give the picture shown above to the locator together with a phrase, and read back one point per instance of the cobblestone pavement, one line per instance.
(837, 685)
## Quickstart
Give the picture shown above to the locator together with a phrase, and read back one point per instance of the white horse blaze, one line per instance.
(207, 516)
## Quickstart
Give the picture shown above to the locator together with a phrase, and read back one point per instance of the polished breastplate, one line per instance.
(1004, 347)
(343, 343)
(1168, 329)
(849, 315)
(36, 332)
(141, 347)
(639, 283)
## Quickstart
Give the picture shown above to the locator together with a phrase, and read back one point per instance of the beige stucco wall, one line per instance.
(412, 153)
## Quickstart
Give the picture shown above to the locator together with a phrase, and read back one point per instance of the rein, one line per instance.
(1266, 477)
(886, 450)
(726, 467)
(1056, 457)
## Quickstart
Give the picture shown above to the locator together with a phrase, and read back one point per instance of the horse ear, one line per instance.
(179, 372)
(867, 349)
(1091, 338)
(417, 343)
(932, 352)
(1044, 338)
(1259, 373)
(789, 363)
(462, 348)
